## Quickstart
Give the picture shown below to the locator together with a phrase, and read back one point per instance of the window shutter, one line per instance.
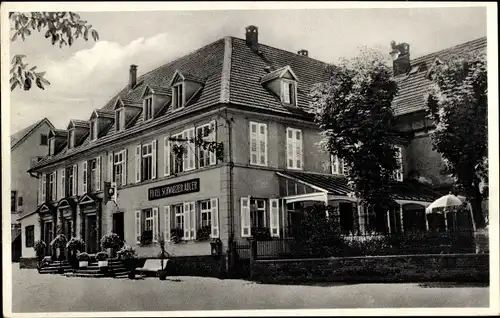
(110, 166)
(298, 149)
(138, 226)
(44, 187)
(254, 155)
(63, 183)
(192, 218)
(245, 217)
(274, 218)
(187, 223)
(153, 160)
(214, 214)
(263, 144)
(166, 211)
(98, 173)
(289, 148)
(58, 185)
(286, 92)
(166, 156)
(75, 180)
(125, 166)
(213, 137)
(155, 225)
(84, 177)
(138, 163)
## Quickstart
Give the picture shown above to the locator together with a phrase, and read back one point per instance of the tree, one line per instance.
(61, 27)
(353, 109)
(457, 103)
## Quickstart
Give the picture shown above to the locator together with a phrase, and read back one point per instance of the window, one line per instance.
(179, 217)
(29, 235)
(94, 179)
(294, 148)
(207, 132)
(398, 173)
(147, 162)
(339, 166)
(71, 138)
(178, 162)
(147, 225)
(70, 186)
(258, 144)
(120, 119)
(93, 129)
(119, 166)
(43, 139)
(205, 213)
(19, 201)
(178, 96)
(148, 108)
(52, 187)
(13, 201)
(52, 146)
(288, 93)
(258, 213)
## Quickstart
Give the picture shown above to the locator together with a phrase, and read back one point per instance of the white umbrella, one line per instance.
(446, 201)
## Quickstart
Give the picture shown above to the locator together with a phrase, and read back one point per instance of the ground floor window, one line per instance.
(147, 225)
(30, 235)
(205, 213)
(258, 213)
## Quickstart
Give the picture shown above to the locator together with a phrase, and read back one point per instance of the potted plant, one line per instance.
(176, 234)
(162, 273)
(74, 246)
(83, 260)
(102, 259)
(128, 256)
(40, 248)
(59, 242)
(203, 233)
(111, 242)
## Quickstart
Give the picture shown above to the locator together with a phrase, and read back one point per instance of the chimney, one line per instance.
(400, 55)
(303, 52)
(132, 80)
(252, 37)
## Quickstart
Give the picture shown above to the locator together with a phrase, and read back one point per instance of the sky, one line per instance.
(88, 74)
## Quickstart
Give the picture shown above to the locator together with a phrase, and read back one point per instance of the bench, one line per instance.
(153, 265)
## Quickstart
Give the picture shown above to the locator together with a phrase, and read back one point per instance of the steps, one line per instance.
(54, 266)
(115, 269)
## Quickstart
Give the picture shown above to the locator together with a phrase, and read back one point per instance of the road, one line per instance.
(33, 292)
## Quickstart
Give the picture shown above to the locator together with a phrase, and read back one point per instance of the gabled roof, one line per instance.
(123, 102)
(412, 88)
(79, 123)
(152, 89)
(58, 133)
(17, 137)
(278, 74)
(102, 113)
(185, 76)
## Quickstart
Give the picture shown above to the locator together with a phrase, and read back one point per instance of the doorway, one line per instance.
(91, 234)
(118, 225)
(48, 237)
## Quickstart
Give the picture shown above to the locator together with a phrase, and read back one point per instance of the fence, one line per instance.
(376, 244)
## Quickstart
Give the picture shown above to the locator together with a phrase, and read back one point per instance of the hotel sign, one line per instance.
(169, 190)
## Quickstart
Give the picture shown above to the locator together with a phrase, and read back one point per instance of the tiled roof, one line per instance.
(105, 113)
(335, 184)
(412, 88)
(17, 137)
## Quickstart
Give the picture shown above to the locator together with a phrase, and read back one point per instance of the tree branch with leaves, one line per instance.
(62, 28)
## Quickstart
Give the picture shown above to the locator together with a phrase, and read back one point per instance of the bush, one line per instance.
(127, 252)
(59, 241)
(101, 256)
(366, 245)
(111, 240)
(83, 257)
(75, 244)
(203, 233)
(40, 248)
(176, 235)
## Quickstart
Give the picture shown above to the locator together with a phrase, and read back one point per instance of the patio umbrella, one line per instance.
(446, 201)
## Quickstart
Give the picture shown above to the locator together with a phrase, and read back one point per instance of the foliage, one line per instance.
(176, 235)
(457, 103)
(319, 234)
(163, 251)
(180, 148)
(261, 233)
(203, 233)
(366, 245)
(127, 252)
(63, 28)
(83, 256)
(111, 240)
(40, 248)
(59, 241)
(353, 109)
(101, 256)
(75, 244)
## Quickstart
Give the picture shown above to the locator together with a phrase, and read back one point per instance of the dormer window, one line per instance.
(120, 119)
(148, 108)
(71, 138)
(289, 92)
(178, 96)
(93, 129)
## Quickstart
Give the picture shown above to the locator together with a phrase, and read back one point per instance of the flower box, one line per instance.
(83, 264)
(102, 263)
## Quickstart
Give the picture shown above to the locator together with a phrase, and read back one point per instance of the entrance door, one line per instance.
(48, 237)
(91, 234)
(118, 225)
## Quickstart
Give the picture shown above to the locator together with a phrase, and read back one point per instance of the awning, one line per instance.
(337, 185)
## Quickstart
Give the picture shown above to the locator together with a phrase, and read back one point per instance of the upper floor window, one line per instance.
(288, 92)
(177, 161)
(339, 166)
(51, 194)
(294, 146)
(206, 132)
(13, 201)
(258, 144)
(148, 108)
(145, 157)
(70, 181)
(120, 119)
(43, 139)
(93, 129)
(178, 96)
(119, 167)
(71, 138)
(398, 173)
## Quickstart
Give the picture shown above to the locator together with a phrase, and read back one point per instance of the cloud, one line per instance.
(89, 78)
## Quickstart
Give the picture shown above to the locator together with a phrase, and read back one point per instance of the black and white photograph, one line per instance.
(249, 158)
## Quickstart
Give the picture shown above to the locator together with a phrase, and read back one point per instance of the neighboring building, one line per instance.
(27, 147)
(250, 97)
